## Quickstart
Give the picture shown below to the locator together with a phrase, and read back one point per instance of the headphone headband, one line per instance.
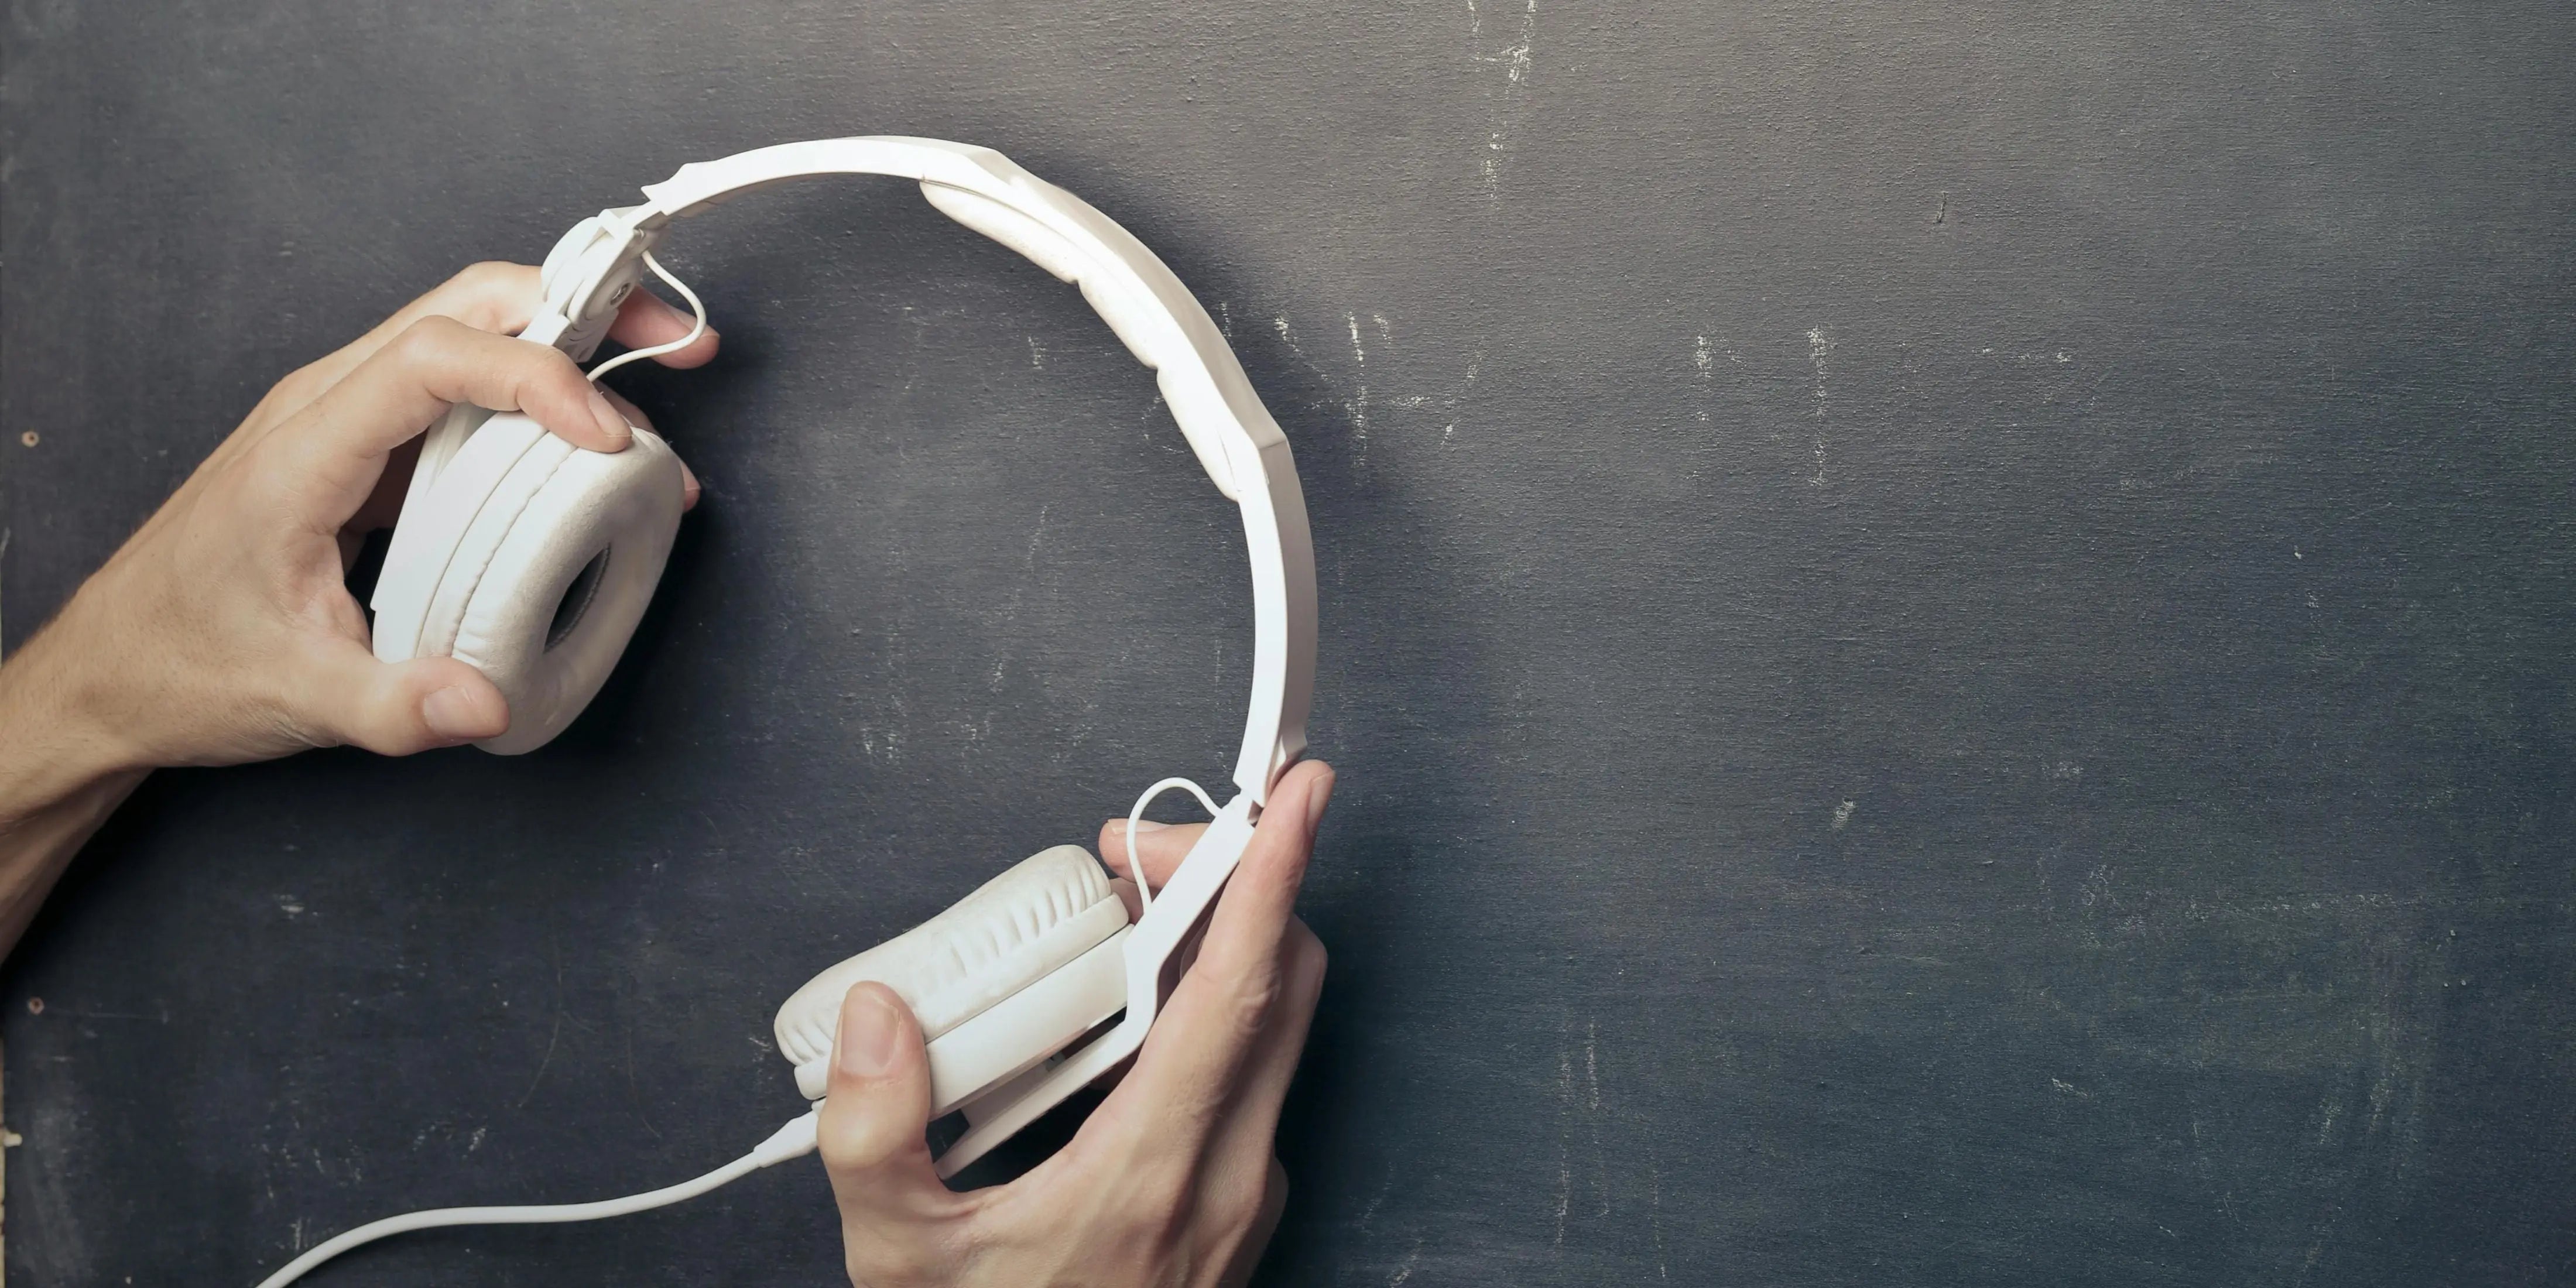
(593, 268)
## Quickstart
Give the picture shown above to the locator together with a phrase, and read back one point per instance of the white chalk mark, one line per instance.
(1405, 1271)
(1281, 322)
(1564, 1166)
(1592, 1100)
(1655, 1206)
(1359, 402)
(1705, 361)
(1820, 346)
(1843, 813)
(1475, 365)
(1385, 1187)
(1019, 594)
(1037, 355)
(1516, 60)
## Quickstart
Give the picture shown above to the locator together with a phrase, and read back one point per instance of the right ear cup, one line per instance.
(531, 560)
(1001, 980)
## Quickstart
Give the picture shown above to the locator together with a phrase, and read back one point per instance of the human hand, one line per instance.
(223, 630)
(1172, 1180)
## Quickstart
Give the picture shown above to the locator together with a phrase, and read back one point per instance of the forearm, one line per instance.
(60, 777)
(35, 848)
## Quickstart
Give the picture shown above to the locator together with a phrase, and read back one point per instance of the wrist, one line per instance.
(55, 742)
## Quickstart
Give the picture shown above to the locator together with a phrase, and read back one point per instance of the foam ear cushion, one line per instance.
(531, 560)
(1017, 929)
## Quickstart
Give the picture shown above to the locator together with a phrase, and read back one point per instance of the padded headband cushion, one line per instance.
(1020, 926)
(536, 560)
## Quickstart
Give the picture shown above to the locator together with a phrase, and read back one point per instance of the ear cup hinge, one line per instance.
(591, 270)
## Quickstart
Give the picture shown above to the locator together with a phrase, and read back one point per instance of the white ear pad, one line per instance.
(1004, 978)
(531, 560)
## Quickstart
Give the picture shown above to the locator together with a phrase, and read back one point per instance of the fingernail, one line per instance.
(869, 1050)
(1144, 825)
(1317, 797)
(610, 423)
(449, 713)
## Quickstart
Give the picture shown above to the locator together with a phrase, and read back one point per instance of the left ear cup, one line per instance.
(531, 560)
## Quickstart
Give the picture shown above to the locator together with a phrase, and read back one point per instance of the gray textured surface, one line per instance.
(1947, 628)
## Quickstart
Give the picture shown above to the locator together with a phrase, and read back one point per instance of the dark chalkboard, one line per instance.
(1947, 627)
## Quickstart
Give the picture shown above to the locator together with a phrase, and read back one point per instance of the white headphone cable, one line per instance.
(1136, 869)
(637, 355)
(795, 1140)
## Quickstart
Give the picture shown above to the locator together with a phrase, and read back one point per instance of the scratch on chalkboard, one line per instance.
(553, 1038)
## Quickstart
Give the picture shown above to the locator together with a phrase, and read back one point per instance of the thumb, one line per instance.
(878, 1107)
(397, 708)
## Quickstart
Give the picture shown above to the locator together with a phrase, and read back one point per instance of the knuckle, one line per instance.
(1160, 1199)
(1254, 993)
(1236, 1202)
(423, 342)
(488, 296)
(297, 387)
(485, 276)
(1307, 963)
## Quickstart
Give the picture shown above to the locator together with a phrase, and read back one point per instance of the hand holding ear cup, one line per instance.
(531, 560)
(1004, 978)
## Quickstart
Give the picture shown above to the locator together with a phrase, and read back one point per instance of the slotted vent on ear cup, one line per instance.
(1044, 912)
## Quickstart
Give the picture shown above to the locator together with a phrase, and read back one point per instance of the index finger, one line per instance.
(1199, 1042)
(497, 297)
(438, 361)
(339, 442)
(1160, 847)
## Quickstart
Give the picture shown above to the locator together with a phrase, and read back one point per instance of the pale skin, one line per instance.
(223, 632)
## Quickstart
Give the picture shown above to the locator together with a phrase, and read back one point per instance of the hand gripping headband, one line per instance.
(534, 560)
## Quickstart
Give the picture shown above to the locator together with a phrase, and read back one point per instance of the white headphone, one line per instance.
(533, 560)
